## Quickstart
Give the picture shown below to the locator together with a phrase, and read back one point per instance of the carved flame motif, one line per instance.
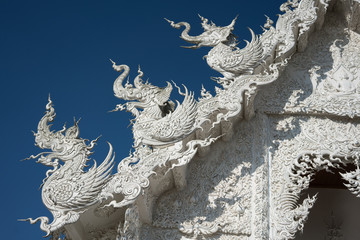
(158, 123)
(353, 179)
(225, 57)
(67, 190)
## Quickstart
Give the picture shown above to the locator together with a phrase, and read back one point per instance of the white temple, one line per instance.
(273, 155)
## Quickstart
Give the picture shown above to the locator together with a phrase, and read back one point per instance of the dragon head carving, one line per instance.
(212, 35)
(159, 123)
(147, 96)
(67, 189)
(224, 57)
(62, 142)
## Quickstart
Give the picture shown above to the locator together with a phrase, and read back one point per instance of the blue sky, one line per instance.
(63, 48)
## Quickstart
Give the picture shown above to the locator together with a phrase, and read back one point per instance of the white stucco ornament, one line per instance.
(158, 123)
(353, 179)
(229, 165)
(67, 190)
(224, 57)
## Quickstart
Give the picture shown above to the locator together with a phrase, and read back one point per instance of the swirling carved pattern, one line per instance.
(67, 189)
(318, 82)
(323, 83)
(305, 145)
(353, 179)
(167, 139)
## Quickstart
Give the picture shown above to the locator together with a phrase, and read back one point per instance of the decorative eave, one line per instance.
(167, 140)
(217, 114)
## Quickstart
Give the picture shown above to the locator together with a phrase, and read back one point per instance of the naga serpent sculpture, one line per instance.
(158, 123)
(224, 57)
(67, 190)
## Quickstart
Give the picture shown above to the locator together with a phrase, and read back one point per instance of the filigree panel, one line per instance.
(322, 80)
(229, 192)
(301, 147)
(224, 197)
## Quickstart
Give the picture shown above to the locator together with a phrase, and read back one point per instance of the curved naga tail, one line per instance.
(43, 224)
(60, 219)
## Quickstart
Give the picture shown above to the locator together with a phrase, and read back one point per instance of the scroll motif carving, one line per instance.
(233, 186)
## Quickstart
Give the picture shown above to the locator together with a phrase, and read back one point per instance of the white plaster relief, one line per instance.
(305, 145)
(323, 83)
(235, 189)
(353, 180)
(226, 182)
(68, 191)
(167, 192)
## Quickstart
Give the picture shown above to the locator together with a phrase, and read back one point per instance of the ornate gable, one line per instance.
(229, 166)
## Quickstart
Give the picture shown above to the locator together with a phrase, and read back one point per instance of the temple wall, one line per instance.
(246, 163)
(313, 111)
(225, 197)
(251, 187)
